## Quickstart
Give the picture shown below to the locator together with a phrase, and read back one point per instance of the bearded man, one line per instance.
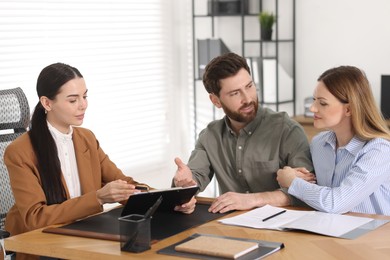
(245, 149)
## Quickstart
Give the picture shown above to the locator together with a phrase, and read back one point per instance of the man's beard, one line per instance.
(242, 117)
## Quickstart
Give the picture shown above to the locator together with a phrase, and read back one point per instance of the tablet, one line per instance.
(139, 203)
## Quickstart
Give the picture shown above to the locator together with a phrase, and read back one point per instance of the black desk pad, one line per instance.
(164, 224)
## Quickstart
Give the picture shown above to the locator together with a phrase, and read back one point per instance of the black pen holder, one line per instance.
(134, 233)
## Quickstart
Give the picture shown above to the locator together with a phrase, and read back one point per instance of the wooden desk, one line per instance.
(310, 130)
(298, 245)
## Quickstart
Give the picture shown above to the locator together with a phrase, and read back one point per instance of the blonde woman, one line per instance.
(352, 159)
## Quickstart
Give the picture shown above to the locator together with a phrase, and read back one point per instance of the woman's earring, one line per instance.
(45, 112)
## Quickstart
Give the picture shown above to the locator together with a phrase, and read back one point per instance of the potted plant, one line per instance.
(267, 20)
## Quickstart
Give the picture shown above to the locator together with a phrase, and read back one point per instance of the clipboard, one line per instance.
(139, 203)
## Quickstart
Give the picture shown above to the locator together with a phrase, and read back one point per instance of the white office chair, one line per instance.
(14, 121)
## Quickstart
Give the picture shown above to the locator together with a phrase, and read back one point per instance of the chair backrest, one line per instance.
(14, 121)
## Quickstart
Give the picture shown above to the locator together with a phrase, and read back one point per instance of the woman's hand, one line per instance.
(286, 176)
(303, 173)
(115, 191)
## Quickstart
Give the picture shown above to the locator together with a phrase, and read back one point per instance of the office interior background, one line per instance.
(137, 60)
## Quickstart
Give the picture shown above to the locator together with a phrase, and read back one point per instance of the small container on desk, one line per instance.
(135, 233)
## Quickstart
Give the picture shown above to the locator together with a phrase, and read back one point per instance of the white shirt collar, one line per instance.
(58, 135)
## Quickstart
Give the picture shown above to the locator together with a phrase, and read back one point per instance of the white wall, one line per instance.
(348, 32)
(329, 33)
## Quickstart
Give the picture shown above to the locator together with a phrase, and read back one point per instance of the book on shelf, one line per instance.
(336, 225)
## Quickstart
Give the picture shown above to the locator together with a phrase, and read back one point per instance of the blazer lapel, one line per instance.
(83, 159)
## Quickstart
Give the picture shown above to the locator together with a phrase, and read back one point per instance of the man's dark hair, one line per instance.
(222, 67)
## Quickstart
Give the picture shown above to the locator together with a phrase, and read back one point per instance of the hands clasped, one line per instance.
(286, 175)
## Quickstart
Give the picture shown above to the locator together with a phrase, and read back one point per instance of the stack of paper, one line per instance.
(313, 221)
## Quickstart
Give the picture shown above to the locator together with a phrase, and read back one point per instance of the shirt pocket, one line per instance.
(263, 176)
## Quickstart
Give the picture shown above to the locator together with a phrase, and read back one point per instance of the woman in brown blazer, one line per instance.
(58, 172)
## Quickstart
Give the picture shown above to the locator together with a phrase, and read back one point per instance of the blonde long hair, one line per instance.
(350, 86)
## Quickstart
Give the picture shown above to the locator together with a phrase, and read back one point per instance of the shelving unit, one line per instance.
(272, 62)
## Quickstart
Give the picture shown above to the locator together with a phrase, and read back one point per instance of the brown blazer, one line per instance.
(30, 210)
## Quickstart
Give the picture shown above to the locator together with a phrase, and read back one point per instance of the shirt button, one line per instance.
(250, 133)
(240, 171)
(240, 147)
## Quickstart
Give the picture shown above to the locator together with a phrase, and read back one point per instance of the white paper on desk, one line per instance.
(318, 222)
(254, 218)
(327, 224)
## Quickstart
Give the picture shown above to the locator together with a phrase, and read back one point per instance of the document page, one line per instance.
(255, 217)
(269, 217)
(328, 224)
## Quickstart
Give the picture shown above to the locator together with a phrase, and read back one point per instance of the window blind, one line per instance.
(124, 49)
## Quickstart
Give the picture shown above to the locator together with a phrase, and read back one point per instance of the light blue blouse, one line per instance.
(352, 178)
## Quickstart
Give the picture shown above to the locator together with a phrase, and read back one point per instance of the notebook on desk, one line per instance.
(263, 249)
